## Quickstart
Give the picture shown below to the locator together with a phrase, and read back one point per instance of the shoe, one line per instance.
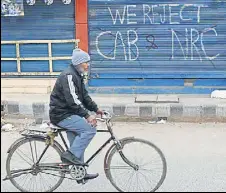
(91, 176)
(87, 178)
(68, 157)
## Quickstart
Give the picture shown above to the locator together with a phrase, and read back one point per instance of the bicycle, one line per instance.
(118, 159)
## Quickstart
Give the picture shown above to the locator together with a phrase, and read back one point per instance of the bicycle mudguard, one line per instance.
(34, 137)
(15, 143)
(111, 148)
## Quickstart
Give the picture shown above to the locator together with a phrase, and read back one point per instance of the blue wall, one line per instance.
(143, 49)
(40, 22)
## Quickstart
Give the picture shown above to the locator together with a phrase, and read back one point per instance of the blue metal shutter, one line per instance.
(161, 61)
(40, 22)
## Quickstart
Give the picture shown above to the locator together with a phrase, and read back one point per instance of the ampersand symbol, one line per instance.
(151, 39)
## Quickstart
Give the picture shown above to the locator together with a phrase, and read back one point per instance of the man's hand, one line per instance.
(99, 112)
(92, 120)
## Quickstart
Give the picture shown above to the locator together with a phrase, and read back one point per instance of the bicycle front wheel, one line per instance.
(151, 163)
(23, 172)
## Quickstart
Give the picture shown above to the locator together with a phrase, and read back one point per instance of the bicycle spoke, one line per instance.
(150, 170)
(24, 158)
(33, 187)
(43, 181)
(36, 184)
(47, 180)
(36, 153)
(147, 180)
(125, 174)
(30, 182)
(131, 179)
(32, 152)
(121, 167)
(152, 173)
(122, 174)
(148, 163)
(25, 179)
(19, 175)
(138, 182)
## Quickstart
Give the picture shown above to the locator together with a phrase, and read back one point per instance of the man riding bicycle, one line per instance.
(69, 108)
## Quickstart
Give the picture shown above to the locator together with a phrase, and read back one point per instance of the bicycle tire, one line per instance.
(114, 150)
(12, 151)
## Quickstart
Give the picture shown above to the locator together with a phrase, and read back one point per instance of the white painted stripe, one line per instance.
(72, 90)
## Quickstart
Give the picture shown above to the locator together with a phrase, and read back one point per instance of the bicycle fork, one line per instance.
(119, 147)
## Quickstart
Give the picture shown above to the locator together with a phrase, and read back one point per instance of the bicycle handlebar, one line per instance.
(105, 116)
(100, 119)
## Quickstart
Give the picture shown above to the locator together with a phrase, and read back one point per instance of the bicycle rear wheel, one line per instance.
(150, 161)
(22, 173)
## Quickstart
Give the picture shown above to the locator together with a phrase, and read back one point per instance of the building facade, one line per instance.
(136, 46)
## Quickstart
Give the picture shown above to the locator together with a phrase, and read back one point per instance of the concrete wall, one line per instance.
(27, 86)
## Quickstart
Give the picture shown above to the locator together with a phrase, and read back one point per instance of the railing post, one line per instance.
(77, 43)
(18, 57)
(50, 57)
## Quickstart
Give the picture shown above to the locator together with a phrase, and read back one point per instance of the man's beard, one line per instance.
(80, 69)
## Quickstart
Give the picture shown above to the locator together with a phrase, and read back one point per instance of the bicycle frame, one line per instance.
(109, 130)
(112, 138)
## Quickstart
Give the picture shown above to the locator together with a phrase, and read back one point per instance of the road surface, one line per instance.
(195, 153)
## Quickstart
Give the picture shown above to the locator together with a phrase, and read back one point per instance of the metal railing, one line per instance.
(50, 57)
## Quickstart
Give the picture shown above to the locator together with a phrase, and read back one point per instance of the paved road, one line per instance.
(195, 153)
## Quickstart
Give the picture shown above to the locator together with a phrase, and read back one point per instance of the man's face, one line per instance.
(83, 67)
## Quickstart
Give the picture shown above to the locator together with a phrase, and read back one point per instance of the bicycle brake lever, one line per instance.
(100, 119)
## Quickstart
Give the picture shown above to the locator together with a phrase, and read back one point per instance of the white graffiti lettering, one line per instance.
(196, 39)
(193, 43)
(119, 36)
(174, 34)
(154, 13)
(173, 14)
(146, 13)
(203, 47)
(131, 15)
(132, 42)
(190, 43)
(119, 41)
(97, 46)
(181, 12)
(163, 16)
(117, 14)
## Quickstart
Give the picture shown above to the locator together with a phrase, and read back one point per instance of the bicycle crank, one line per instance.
(78, 172)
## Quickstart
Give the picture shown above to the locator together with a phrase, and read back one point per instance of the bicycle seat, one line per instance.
(56, 127)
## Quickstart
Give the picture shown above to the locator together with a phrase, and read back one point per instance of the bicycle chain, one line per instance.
(58, 176)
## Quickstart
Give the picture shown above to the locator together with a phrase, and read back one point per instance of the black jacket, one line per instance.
(70, 97)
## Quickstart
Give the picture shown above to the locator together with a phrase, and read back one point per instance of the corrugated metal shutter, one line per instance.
(40, 22)
(157, 40)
